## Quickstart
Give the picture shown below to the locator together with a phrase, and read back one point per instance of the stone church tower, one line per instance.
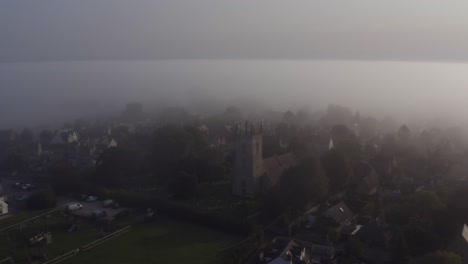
(248, 144)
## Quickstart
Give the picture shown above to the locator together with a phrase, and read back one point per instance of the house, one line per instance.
(369, 179)
(64, 137)
(275, 166)
(340, 214)
(287, 251)
(3, 202)
(460, 244)
(376, 233)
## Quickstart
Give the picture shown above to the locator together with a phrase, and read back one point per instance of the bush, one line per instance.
(41, 200)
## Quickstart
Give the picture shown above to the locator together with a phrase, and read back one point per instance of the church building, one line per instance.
(252, 173)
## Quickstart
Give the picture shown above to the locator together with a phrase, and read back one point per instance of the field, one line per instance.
(163, 241)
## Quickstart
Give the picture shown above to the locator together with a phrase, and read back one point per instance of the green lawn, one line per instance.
(164, 241)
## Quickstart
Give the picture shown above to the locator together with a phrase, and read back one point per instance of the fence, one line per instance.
(88, 246)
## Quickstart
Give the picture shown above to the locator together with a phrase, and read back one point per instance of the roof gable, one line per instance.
(340, 213)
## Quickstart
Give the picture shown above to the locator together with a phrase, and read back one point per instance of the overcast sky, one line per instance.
(233, 29)
(39, 39)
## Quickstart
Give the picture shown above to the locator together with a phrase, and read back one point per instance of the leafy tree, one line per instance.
(342, 133)
(45, 136)
(27, 136)
(304, 184)
(210, 165)
(336, 114)
(183, 185)
(41, 200)
(441, 257)
(172, 144)
(355, 246)
(133, 112)
(232, 114)
(114, 167)
(404, 133)
(289, 117)
(338, 169)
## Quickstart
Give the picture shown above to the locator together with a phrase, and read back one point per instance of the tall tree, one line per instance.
(45, 136)
(303, 184)
(27, 136)
(338, 169)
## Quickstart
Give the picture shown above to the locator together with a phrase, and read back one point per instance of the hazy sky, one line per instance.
(220, 29)
(109, 37)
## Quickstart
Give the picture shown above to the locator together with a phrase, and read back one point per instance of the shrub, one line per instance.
(41, 200)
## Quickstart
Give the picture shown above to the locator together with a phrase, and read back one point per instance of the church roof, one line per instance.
(274, 166)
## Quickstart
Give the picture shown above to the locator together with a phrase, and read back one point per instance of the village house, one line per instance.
(3, 202)
(340, 214)
(460, 244)
(369, 179)
(287, 251)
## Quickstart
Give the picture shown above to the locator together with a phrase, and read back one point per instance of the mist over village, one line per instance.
(233, 132)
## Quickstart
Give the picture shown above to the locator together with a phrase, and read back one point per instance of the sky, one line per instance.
(60, 59)
(242, 29)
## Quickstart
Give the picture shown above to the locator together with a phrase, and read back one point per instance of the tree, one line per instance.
(289, 117)
(133, 112)
(304, 184)
(115, 166)
(45, 136)
(337, 114)
(183, 185)
(404, 133)
(41, 200)
(27, 136)
(232, 114)
(338, 169)
(441, 257)
(171, 145)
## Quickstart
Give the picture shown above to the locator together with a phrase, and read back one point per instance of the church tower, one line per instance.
(248, 168)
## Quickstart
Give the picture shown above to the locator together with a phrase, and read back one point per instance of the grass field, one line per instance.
(163, 241)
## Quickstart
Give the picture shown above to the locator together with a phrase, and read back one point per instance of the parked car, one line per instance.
(99, 213)
(18, 185)
(28, 187)
(122, 214)
(21, 197)
(83, 196)
(91, 199)
(108, 203)
(73, 206)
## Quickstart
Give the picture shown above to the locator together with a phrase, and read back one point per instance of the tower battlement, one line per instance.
(248, 144)
(247, 129)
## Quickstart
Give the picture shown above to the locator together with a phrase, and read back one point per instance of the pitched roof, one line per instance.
(296, 251)
(274, 166)
(370, 179)
(340, 213)
(64, 136)
(465, 232)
